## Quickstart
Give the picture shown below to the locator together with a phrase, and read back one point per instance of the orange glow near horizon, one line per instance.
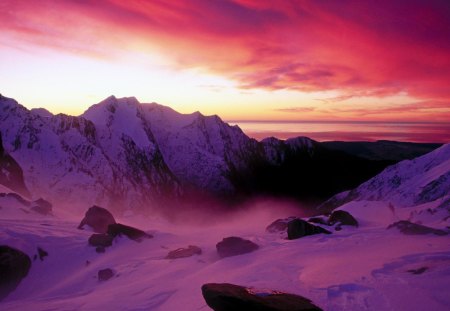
(241, 60)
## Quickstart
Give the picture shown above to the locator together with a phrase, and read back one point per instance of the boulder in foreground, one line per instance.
(14, 266)
(233, 246)
(230, 297)
(98, 218)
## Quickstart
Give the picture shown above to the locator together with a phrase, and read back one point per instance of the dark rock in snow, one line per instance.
(11, 174)
(105, 274)
(343, 218)
(319, 220)
(100, 249)
(230, 297)
(42, 253)
(418, 271)
(233, 246)
(131, 232)
(410, 228)
(100, 239)
(14, 266)
(279, 225)
(298, 228)
(184, 252)
(42, 206)
(98, 218)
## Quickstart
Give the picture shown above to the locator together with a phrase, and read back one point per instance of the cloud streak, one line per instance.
(379, 48)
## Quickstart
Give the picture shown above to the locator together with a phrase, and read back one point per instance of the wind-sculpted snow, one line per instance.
(364, 268)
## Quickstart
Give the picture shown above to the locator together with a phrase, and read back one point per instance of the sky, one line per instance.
(352, 60)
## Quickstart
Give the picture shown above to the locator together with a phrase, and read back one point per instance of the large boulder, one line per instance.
(98, 218)
(229, 297)
(191, 250)
(14, 266)
(343, 218)
(131, 232)
(233, 246)
(298, 228)
(410, 228)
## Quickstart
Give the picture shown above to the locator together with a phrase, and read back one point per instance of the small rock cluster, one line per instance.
(106, 228)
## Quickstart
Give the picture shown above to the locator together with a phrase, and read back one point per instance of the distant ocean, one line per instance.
(437, 132)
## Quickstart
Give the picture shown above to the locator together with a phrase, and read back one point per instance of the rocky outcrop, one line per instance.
(98, 218)
(342, 218)
(130, 232)
(230, 297)
(233, 246)
(298, 228)
(14, 266)
(11, 174)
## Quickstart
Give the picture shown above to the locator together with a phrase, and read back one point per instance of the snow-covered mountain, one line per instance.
(418, 189)
(121, 153)
(73, 161)
(199, 150)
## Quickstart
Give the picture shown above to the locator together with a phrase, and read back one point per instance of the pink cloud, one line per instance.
(379, 48)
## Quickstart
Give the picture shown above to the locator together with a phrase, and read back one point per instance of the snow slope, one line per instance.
(368, 268)
(416, 190)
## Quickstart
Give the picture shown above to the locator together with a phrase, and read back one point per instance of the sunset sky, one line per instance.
(241, 59)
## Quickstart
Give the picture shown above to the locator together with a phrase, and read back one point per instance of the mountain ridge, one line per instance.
(122, 153)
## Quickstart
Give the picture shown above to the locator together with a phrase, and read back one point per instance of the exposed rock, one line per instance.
(319, 220)
(298, 228)
(100, 249)
(229, 297)
(343, 218)
(279, 225)
(233, 246)
(418, 271)
(131, 232)
(410, 228)
(184, 252)
(100, 239)
(105, 274)
(11, 173)
(98, 218)
(42, 253)
(42, 206)
(14, 266)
